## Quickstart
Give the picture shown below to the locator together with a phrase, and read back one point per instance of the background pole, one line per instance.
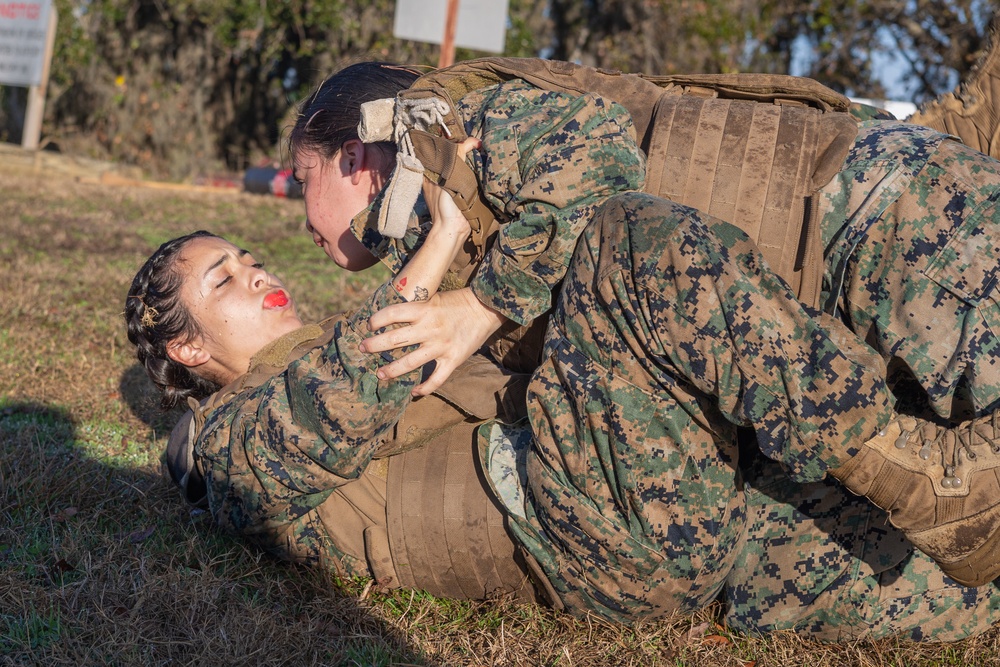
(32, 131)
(448, 43)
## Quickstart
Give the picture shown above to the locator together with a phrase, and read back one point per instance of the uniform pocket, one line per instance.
(968, 264)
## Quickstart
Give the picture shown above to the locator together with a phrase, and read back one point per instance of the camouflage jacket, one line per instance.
(275, 452)
(311, 458)
(547, 161)
(912, 237)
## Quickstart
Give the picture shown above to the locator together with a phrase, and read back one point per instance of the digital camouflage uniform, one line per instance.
(274, 453)
(669, 334)
(912, 236)
(682, 551)
(550, 160)
(311, 458)
(547, 161)
(910, 227)
(828, 565)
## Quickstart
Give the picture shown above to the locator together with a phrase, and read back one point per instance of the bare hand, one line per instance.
(448, 328)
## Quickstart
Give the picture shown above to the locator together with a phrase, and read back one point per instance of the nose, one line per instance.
(258, 278)
(309, 227)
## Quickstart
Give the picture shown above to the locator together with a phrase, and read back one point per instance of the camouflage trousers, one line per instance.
(827, 564)
(912, 231)
(669, 334)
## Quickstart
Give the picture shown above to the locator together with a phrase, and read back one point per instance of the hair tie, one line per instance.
(149, 315)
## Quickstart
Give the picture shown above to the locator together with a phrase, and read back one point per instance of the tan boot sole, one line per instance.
(981, 565)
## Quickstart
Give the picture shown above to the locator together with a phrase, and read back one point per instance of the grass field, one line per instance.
(101, 563)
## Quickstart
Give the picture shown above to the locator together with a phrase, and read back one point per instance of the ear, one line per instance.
(352, 156)
(191, 353)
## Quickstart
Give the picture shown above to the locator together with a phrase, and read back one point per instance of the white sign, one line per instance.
(23, 27)
(482, 24)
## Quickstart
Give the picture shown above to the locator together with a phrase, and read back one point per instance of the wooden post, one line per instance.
(32, 132)
(448, 43)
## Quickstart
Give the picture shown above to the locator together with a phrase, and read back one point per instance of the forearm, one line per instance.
(421, 277)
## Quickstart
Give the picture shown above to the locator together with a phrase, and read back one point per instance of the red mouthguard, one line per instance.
(276, 300)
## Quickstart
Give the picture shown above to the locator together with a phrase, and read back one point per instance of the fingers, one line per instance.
(398, 313)
(448, 329)
(405, 364)
(467, 146)
(441, 373)
(389, 340)
(417, 359)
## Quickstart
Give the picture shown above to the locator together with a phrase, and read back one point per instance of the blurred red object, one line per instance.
(273, 181)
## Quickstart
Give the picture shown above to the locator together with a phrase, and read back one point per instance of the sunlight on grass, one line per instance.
(110, 444)
(101, 562)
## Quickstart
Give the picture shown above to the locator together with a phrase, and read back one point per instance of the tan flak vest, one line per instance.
(750, 149)
(421, 515)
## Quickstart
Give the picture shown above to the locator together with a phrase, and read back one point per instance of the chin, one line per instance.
(338, 258)
(292, 323)
(359, 263)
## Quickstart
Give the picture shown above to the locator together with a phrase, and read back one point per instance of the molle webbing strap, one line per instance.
(636, 93)
(755, 166)
(453, 128)
(439, 156)
(769, 88)
(447, 534)
(739, 161)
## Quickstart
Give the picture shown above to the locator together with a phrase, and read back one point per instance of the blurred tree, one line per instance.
(934, 43)
(661, 36)
(839, 42)
(185, 87)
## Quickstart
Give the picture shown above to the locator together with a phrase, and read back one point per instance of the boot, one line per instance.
(972, 113)
(941, 487)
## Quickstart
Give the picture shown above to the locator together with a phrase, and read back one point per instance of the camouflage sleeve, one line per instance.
(275, 453)
(548, 161)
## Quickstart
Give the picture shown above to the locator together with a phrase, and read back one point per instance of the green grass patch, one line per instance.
(35, 630)
(111, 444)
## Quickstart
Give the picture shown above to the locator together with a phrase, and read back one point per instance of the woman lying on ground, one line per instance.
(622, 493)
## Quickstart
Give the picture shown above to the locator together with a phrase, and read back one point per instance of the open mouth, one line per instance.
(276, 300)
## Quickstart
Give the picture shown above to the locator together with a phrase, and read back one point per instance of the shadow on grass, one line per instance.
(143, 399)
(105, 564)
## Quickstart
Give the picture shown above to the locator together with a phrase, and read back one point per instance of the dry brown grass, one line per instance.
(102, 564)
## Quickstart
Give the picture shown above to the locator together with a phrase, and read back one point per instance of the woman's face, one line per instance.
(239, 307)
(335, 191)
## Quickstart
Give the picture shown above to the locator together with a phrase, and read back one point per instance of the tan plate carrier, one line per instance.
(750, 149)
